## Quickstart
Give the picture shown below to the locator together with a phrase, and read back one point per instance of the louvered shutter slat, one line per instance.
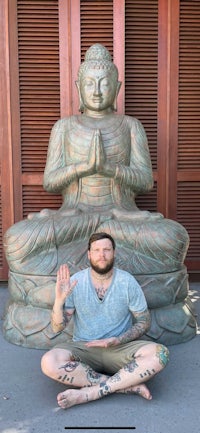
(141, 76)
(188, 197)
(38, 35)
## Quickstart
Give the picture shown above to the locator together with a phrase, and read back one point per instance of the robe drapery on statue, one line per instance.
(99, 161)
(150, 243)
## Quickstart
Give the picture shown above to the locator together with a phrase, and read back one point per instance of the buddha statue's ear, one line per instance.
(81, 104)
(119, 83)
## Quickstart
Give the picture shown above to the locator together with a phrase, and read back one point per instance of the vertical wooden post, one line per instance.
(168, 42)
(7, 197)
(69, 28)
(119, 48)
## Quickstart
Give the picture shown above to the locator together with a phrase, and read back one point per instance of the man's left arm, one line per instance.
(141, 325)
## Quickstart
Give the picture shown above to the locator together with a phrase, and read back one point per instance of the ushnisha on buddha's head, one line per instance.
(97, 83)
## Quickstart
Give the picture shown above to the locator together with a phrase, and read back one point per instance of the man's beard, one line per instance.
(102, 271)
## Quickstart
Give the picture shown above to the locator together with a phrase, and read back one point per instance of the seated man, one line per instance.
(106, 354)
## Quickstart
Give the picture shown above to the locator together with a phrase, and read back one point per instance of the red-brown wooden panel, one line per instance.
(6, 163)
(141, 76)
(188, 164)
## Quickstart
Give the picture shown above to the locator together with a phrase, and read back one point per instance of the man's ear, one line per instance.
(81, 105)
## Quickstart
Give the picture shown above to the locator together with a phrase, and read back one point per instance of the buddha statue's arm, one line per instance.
(59, 171)
(138, 175)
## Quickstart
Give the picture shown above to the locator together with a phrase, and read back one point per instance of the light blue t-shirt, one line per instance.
(94, 318)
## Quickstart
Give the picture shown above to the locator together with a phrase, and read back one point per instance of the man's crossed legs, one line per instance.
(60, 365)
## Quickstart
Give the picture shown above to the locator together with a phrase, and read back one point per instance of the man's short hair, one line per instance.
(97, 236)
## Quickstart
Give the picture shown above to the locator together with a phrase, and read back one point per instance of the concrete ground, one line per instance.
(28, 398)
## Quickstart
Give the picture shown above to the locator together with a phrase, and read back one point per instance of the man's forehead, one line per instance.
(102, 242)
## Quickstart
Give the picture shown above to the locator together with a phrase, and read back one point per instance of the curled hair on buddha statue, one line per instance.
(97, 57)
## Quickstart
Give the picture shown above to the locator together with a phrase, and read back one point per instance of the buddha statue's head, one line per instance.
(97, 83)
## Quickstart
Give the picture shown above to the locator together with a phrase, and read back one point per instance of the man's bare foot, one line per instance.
(141, 390)
(71, 397)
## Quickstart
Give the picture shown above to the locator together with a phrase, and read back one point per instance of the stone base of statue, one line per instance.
(27, 316)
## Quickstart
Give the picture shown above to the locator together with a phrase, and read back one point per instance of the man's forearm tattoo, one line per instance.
(142, 324)
(162, 353)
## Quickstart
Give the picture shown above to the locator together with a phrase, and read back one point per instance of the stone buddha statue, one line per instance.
(99, 161)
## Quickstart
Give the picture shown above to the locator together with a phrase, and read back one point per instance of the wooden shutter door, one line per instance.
(96, 21)
(39, 95)
(141, 77)
(188, 191)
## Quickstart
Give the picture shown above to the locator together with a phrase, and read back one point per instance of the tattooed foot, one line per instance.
(141, 390)
(71, 397)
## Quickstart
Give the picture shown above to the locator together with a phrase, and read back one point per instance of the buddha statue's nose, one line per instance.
(97, 89)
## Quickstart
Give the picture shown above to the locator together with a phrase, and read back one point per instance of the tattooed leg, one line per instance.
(60, 365)
(141, 390)
(148, 361)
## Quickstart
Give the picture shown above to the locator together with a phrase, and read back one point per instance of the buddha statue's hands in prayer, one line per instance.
(101, 164)
(96, 162)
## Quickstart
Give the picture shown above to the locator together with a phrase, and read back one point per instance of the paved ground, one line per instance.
(28, 398)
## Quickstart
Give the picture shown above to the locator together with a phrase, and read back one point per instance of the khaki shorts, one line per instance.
(103, 360)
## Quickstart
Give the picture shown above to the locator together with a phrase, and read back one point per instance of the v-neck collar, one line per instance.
(100, 301)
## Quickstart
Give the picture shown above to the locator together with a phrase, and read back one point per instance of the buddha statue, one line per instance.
(99, 161)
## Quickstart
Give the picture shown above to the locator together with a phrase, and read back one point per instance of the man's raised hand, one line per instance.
(63, 285)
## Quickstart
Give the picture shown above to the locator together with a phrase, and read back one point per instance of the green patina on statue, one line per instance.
(99, 161)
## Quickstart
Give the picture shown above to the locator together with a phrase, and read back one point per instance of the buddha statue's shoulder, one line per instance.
(132, 122)
(64, 124)
(81, 122)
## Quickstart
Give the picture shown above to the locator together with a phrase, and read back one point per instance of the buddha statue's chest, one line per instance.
(115, 141)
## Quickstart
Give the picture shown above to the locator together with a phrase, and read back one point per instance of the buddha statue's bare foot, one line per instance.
(125, 215)
(141, 390)
(43, 213)
(69, 212)
(49, 212)
(133, 215)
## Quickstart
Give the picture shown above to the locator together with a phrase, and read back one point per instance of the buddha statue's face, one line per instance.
(98, 89)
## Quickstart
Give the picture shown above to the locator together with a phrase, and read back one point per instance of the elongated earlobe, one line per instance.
(81, 105)
(119, 83)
